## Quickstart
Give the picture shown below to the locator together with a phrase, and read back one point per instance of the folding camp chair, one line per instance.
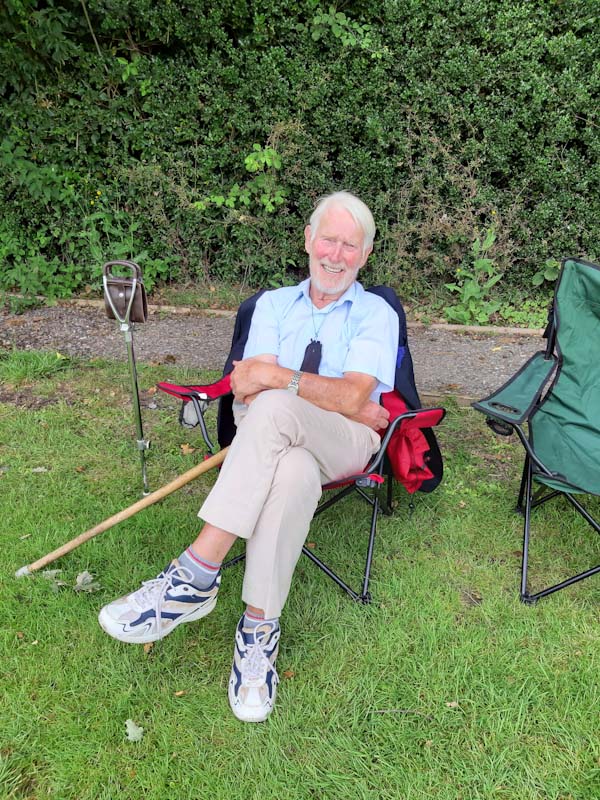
(562, 444)
(409, 452)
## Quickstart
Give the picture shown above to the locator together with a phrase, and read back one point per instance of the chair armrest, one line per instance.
(207, 392)
(412, 470)
(196, 400)
(515, 400)
(417, 418)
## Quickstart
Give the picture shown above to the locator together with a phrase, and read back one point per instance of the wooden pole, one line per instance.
(149, 500)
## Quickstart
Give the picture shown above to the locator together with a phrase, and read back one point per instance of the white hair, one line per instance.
(359, 212)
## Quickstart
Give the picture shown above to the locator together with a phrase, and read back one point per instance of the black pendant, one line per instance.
(312, 357)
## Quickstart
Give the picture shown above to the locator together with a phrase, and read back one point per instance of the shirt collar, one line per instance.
(351, 294)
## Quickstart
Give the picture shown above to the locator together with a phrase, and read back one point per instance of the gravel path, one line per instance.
(447, 361)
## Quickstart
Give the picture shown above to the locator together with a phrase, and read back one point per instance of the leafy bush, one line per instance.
(128, 129)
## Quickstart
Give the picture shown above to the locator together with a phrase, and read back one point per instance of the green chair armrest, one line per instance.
(514, 401)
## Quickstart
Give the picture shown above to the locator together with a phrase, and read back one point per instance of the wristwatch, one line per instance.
(293, 385)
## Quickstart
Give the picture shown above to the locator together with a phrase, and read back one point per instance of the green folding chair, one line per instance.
(557, 393)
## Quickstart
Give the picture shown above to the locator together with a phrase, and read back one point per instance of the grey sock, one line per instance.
(204, 572)
(252, 621)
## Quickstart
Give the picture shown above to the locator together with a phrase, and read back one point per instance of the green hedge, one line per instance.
(130, 136)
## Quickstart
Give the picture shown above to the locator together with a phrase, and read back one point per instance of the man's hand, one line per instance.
(373, 415)
(247, 377)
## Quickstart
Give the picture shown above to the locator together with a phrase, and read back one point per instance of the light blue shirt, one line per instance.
(358, 332)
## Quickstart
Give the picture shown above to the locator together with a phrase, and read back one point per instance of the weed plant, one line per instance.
(446, 686)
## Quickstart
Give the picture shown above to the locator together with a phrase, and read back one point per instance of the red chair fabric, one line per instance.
(212, 390)
(408, 447)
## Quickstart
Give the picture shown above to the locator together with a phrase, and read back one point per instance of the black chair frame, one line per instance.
(377, 473)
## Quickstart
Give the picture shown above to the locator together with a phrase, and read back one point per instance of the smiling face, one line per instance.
(335, 253)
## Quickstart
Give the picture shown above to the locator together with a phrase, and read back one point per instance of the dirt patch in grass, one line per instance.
(499, 464)
(25, 396)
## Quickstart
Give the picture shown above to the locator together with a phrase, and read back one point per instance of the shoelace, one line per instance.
(256, 664)
(153, 591)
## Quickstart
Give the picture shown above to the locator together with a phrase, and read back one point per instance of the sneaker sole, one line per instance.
(108, 625)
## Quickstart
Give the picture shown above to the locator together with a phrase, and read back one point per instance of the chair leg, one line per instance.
(576, 504)
(232, 561)
(519, 507)
(527, 490)
(386, 505)
(531, 599)
(366, 596)
(329, 572)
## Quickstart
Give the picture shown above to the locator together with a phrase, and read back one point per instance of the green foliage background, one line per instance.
(127, 127)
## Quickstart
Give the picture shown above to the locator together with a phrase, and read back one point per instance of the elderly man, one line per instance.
(307, 410)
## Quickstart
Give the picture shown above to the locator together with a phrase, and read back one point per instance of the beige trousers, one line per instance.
(270, 484)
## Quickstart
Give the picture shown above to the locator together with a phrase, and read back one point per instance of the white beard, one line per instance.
(347, 278)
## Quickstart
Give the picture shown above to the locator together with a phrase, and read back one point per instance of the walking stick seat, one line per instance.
(557, 393)
(408, 453)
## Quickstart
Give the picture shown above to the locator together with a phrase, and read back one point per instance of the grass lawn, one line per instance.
(446, 686)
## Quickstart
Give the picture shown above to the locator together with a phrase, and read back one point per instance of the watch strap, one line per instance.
(294, 383)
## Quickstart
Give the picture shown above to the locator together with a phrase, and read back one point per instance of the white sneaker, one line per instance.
(159, 606)
(253, 680)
